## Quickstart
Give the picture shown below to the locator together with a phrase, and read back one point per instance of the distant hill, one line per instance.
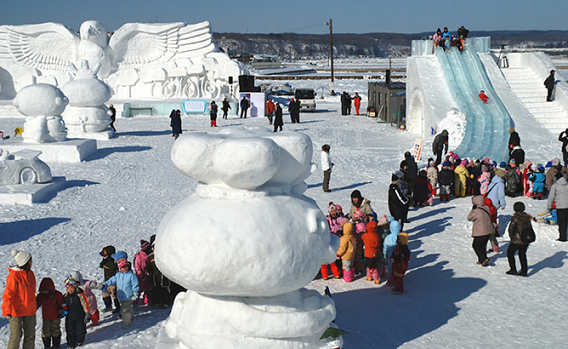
(371, 44)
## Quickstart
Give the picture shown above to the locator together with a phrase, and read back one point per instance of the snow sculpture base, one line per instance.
(99, 136)
(28, 194)
(71, 150)
(290, 321)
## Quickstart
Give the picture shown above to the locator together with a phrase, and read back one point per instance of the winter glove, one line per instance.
(134, 296)
(87, 318)
(64, 314)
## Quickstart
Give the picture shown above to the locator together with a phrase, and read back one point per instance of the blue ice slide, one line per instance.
(487, 125)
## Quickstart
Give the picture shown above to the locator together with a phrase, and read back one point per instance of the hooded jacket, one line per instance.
(519, 221)
(412, 171)
(372, 240)
(559, 194)
(365, 207)
(19, 296)
(76, 305)
(397, 201)
(390, 240)
(126, 285)
(51, 302)
(481, 218)
(400, 256)
(440, 143)
(108, 264)
(496, 192)
(347, 243)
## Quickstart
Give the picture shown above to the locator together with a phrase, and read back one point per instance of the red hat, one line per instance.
(144, 245)
(122, 263)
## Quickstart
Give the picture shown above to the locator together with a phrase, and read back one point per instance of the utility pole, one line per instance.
(332, 84)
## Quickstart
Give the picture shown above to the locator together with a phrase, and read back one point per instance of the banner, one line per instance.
(194, 106)
(417, 149)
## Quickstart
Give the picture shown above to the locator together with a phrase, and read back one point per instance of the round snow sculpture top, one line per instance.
(244, 158)
(40, 99)
(86, 92)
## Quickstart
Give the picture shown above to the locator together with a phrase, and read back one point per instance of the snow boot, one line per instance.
(56, 342)
(46, 342)
(348, 275)
(116, 306)
(511, 271)
(368, 277)
(375, 275)
(108, 304)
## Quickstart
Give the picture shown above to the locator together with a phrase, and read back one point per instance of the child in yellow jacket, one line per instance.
(346, 251)
(461, 174)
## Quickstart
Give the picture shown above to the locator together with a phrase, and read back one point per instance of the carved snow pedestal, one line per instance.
(44, 129)
(245, 244)
(87, 116)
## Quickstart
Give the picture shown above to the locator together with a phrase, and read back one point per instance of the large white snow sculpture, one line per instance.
(245, 243)
(42, 104)
(140, 60)
(86, 113)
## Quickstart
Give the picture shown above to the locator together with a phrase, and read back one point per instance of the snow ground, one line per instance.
(119, 196)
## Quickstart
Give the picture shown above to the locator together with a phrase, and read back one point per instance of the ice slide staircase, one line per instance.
(528, 87)
(487, 125)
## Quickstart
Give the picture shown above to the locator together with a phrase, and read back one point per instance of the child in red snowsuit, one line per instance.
(400, 258)
(51, 302)
(483, 97)
(372, 242)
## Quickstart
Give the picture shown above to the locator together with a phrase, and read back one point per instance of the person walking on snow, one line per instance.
(225, 107)
(440, 144)
(176, 123)
(326, 166)
(213, 114)
(270, 110)
(549, 84)
(19, 301)
(357, 102)
(519, 222)
(481, 229)
(563, 137)
(278, 121)
(559, 195)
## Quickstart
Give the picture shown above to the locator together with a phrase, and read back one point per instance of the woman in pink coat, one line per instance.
(141, 269)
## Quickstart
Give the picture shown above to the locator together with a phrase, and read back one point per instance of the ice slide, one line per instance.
(486, 125)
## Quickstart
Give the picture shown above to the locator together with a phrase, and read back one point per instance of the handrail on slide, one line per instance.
(486, 124)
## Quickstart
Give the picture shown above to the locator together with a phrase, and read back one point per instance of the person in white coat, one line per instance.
(326, 166)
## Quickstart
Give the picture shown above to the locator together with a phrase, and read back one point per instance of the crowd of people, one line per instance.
(347, 102)
(446, 40)
(125, 284)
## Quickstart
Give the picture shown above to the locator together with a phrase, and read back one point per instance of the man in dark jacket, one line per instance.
(344, 103)
(564, 140)
(293, 108)
(176, 123)
(462, 32)
(549, 84)
(225, 107)
(398, 203)
(440, 144)
(112, 116)
(518, 154)
(245, 104)
(278, 122)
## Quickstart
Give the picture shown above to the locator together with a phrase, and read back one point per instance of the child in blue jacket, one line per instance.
(126, 283)
(538, 178)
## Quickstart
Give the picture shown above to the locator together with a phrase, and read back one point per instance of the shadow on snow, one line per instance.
(14, 232)
(104, 152)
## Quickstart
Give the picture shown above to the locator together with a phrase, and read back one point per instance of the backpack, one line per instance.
(527, 234)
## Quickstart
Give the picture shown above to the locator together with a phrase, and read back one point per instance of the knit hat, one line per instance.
(511, 130)
(21, 257)
(502, 164)
(486, 160)
(339, 208)
(119, 255)
(446, 164)
(331, 207)
(144, 245)
(548, 164)
(519, 207)
(122, 263)
(540, 168)
(455, 156)
(69, 281)
(463, 162)
(555, 162)
(356, 194)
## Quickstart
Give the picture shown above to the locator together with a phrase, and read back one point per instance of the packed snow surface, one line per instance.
(121, 193)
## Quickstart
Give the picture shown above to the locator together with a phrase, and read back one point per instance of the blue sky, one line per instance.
(254, 16)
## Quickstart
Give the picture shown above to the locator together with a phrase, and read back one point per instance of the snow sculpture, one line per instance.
(42, 104)
(23, 167)
(140, 60)
(245, 243)
(87, 94)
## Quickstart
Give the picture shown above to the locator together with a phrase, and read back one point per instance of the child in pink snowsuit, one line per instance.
(141, 269)
(484, 180)
(360, 221)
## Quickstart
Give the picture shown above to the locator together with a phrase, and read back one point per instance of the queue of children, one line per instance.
(369, 245)
(445, 40)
